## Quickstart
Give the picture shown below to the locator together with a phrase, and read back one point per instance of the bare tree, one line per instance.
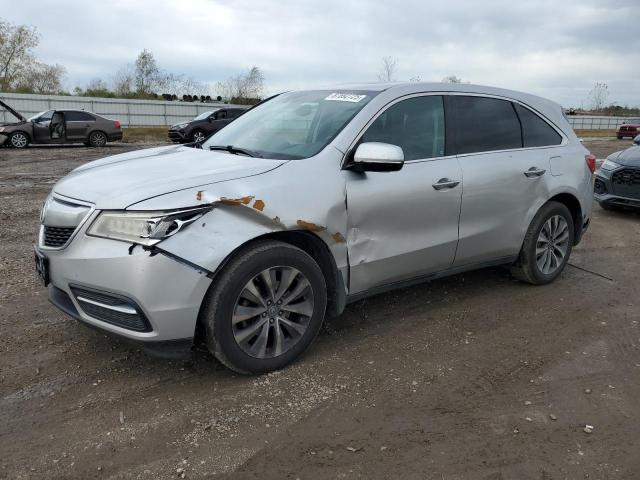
(123, 81)
(249, 85)
(40, 77)
(147, 73)
(451, 79)
(388, 69)
(16, 42)
(598, 96)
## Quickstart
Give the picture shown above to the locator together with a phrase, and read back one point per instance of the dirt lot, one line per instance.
(471, 377)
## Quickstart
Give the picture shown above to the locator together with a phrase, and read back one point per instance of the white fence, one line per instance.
(158, 113)
(131, 113)
(593, 122)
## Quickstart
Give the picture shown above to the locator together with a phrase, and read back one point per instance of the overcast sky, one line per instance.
(555, 48)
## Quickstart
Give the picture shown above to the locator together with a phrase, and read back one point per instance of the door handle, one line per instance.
(445, 183)
(534, 172)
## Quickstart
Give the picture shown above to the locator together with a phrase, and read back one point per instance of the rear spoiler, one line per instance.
(12, 111)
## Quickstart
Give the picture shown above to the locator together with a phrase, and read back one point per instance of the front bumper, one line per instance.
(168, 292)
(177, 136)
(605, 191)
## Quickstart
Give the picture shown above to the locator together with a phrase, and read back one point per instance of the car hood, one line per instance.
(629, 157)
(121, 180)
(13, 112)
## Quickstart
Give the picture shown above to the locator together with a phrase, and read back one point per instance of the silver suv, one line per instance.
(309, 201)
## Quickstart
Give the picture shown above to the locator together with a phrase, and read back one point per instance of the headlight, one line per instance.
(609, 165)
(145, 228)
(180, 126)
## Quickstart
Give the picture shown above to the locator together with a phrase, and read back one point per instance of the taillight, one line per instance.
(591, 162)
(116, 124)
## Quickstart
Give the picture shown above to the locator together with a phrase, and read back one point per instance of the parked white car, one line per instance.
(308, 201)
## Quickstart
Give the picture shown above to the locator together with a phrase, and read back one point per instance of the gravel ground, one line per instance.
(471, 377)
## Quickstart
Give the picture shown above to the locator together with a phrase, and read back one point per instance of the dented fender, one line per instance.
(306, 195)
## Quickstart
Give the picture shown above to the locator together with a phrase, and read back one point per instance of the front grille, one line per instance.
(626, 182)
(57, 236)
(111, 308)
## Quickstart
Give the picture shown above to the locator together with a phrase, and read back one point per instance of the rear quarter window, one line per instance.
(486, 124)
(536, 132)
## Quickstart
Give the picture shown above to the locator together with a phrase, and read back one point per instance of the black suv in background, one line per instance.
(204, 125)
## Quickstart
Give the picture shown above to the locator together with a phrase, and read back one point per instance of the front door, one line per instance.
(404, 224)
(41, 132)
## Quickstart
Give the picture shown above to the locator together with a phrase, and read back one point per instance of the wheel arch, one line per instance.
(311, 244)
(29, 135)
(573, 204)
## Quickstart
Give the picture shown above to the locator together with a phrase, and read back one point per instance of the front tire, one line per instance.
(265, 308)
(547, 245)
(19, 140)
(97, 139)
(198, 136)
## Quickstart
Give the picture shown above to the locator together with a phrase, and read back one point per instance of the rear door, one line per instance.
(504, 183)
(78, 125)
(404, 224)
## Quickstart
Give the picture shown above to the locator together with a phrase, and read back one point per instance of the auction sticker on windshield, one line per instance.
(345, 97)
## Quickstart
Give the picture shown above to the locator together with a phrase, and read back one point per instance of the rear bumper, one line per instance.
(113, 137)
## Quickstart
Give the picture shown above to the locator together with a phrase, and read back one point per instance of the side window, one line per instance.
(78, 117)
(416, 125)
(221, 114)
(485, 124)
(535, 131)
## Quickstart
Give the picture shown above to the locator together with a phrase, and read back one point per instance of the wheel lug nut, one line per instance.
(280, 312)
(264, 314)
(279, 302)
(271, 320)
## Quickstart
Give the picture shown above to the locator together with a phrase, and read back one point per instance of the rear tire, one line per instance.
(19, 140)
(97, 139)
(547, 245)
(265, 307)
(619, 137)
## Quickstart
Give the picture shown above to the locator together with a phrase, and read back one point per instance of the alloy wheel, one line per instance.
(272, 312)
(98, 139)
(198, 136)
(552, 244)
(19, 140)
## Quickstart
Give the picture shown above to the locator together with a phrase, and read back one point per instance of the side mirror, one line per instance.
(636, 141)
(377, 157)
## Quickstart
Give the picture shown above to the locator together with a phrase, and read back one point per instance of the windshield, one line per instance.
(42, 116)
(204, 115)
(293, 125)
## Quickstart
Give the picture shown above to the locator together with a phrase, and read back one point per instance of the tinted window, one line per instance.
(535, 131)
(78, 117)
(486, 124)
(219, 115)
(416, 125)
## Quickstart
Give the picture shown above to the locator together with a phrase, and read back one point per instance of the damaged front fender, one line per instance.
(249, 208)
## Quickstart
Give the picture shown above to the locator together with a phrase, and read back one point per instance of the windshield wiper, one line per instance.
(234, 150)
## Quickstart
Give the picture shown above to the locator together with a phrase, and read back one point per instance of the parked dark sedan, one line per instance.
(198, 129)
(617, 182)
(59, 127)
